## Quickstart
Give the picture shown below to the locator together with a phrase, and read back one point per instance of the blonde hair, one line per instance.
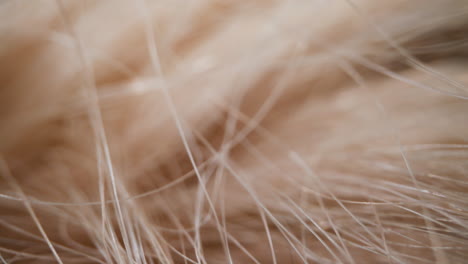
(230, 131)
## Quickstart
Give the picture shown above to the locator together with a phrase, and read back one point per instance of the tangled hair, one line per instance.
(234, 131)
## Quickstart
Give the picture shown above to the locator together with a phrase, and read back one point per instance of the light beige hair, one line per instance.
(234, 131)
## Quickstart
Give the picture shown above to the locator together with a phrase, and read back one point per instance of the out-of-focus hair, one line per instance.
(234, 131)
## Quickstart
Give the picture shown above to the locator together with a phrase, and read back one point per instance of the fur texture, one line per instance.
(234, 131)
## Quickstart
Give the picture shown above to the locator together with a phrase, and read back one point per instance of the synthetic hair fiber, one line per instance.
(234, 131)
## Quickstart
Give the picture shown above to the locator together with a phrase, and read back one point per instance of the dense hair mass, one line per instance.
(234, 131)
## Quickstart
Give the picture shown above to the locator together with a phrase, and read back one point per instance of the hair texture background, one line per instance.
(232, 131)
